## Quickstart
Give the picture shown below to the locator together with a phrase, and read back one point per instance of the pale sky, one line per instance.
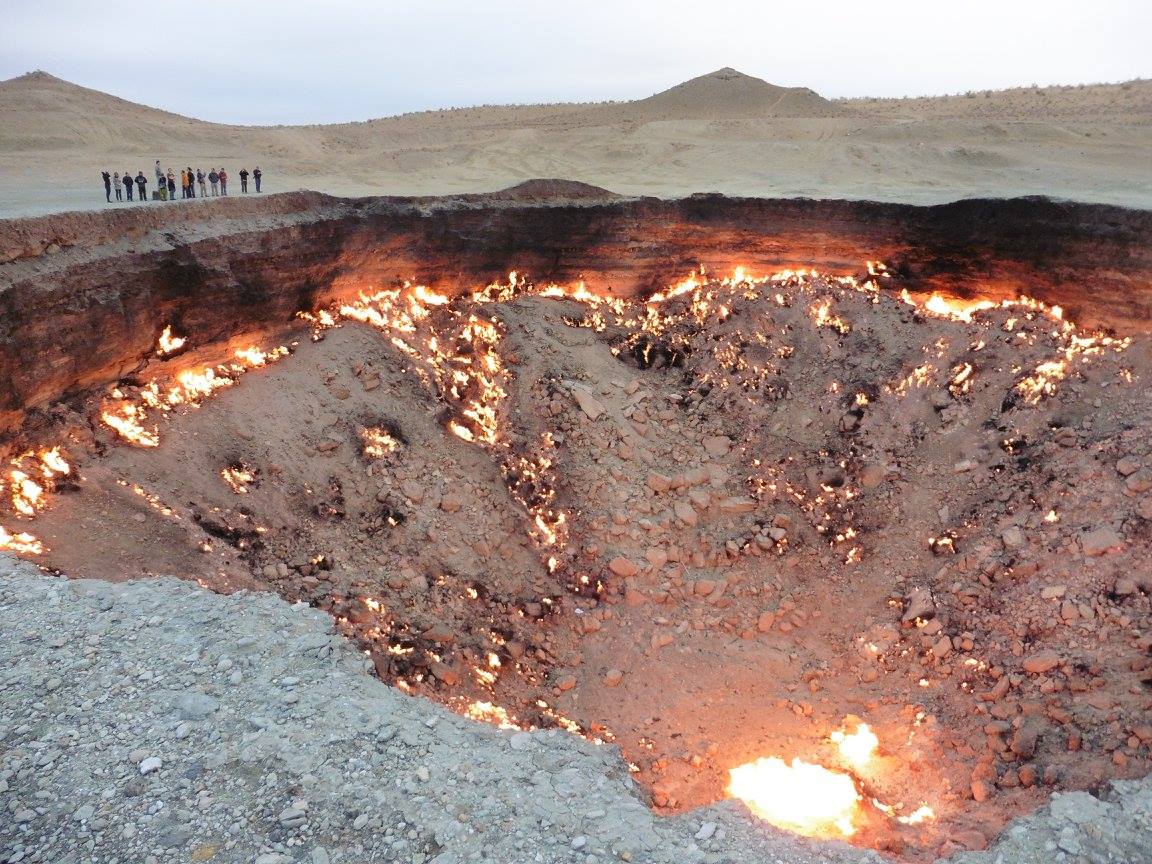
(300, 61)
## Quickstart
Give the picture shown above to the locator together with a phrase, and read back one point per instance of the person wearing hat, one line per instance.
(142, 186)
(128, 185)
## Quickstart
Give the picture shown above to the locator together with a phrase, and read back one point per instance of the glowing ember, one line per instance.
(801, 797)
(169, 343)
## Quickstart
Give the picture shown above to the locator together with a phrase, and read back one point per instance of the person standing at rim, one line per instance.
(107, 186)
(256, 175)
(200, 180)
(117, 187)
(159, 175)
(214, 179)
(243, 180)
(183, 183)
(142, 186)
(191, 183)
(128, 185)
(223, 181)
(171, 186)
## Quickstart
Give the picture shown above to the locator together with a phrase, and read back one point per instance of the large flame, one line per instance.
(801, 797)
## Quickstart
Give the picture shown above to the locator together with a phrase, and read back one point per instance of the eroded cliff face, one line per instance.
(84, 296)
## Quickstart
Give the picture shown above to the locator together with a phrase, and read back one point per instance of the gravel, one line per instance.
(153, 721)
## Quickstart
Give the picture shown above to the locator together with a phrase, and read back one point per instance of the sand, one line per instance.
(723, 132)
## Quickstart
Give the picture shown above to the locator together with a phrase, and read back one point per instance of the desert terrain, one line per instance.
(722, 132)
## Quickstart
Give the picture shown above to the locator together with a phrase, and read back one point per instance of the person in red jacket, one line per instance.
(223, 181)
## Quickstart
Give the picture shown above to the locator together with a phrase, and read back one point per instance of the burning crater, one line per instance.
(860, 542)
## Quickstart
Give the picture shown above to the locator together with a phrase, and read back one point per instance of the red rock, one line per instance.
(1101, 541)
(622, 567)
(1041, 662)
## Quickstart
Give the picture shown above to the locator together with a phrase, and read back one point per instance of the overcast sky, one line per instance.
(296, 61)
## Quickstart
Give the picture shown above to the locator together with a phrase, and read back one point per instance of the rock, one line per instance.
(565, 681)
(588, 403)
(1124, 587)
(706, 831)
(1139, 482)
(737, 505)
(622, 567)
(451, 502)
(717, 445)
(685, 512)
(981, 791)
(150, 765)
(445, 673)
(765, 621)
(613, 677)
(1041, 662)
(942, 648)
(194, 705)
(1013, 538)
(1101, 541)
(920, 605)
(1023, 742)
(1128, 465)
(658, 482)
(1144, 508)
(441, 634)
(872, 475)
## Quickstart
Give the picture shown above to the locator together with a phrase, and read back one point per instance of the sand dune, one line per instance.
(723, 132)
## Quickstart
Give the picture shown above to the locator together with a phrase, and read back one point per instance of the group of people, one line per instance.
(189, 180)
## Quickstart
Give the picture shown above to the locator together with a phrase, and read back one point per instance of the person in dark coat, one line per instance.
(128, 185)
(141, 186)
(191, 183)
(107, 186)
(214, 179)
(200, 181)
(243, 180)
(256, 175)
(117, 186)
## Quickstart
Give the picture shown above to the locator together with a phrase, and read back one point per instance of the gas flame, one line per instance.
(169, 343)
(20, 544)
(801, 797)
(378, 443)
(858, 747)
(238, 477)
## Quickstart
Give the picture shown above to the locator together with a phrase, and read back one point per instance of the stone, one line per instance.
(765, 621)
(1041, 662)
(613, 677)
(1101, 541)
(622, 567)
(151, 765)
(1139, 482)
(451, 502)
(706, 831)
(194, 705)
(588, 403)
(921, 605)
(1013, 538)
(717, 445)
(658, 482)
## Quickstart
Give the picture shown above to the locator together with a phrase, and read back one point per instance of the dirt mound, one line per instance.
(552, 190)
(727, 95)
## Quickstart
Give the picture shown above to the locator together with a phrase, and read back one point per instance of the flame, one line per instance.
(378, 443)
(801, 797)
(20, 544)
(238, 477)
(169, 343)
(127, 421)
(54, 463)
(858, 747)
(27, 494)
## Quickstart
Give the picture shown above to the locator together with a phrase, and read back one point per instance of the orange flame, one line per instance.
(801, 797)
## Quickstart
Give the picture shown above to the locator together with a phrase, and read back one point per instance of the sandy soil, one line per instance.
(722, 132)
(711, 529)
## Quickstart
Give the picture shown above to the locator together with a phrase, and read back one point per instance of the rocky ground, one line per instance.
(708, 528)
(155, 721)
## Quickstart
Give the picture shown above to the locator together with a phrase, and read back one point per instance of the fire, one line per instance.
(378, 443)
(238, 477)
(127, 421)
(801, 797)
(27, 494)
(20, 544)
(54, 463)
(858, 747)
(169, 343)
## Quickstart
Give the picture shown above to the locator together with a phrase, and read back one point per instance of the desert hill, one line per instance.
(724, 131)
